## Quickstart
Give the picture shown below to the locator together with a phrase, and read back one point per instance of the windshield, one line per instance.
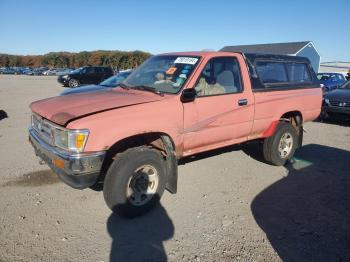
(346, 85)
(76, 71)
(164, 73)
(115, 80)
(323, 77)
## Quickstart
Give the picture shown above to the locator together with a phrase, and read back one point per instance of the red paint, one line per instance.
(271, 129)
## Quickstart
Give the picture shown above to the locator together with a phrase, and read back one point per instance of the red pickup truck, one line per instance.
(129, 139)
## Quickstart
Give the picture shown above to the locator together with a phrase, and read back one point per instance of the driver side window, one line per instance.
(221, 75)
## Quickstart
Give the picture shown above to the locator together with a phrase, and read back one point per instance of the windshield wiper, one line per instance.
(149, 88)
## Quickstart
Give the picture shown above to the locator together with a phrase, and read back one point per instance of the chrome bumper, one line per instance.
(77, 170)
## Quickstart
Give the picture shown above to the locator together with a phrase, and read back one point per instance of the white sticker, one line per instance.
(186, 60)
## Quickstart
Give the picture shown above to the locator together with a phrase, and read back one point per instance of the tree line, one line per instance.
(115, 59)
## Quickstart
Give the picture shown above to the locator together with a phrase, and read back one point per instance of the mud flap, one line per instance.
(171, 165)
(301, 136)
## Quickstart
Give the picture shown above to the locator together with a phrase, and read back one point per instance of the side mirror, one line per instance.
(188, 95)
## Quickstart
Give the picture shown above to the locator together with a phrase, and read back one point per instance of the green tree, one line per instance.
(115, 59)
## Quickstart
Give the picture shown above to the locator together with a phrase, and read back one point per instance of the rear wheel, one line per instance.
(73, 83)
(280, 147)
(135, 181)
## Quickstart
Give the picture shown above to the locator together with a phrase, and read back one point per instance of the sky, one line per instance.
(39, 27)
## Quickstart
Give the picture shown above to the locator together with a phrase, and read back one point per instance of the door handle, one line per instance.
(242, 102)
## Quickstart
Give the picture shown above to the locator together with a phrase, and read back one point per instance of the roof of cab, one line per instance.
(195, 53)
(253, 56)
(250, 56)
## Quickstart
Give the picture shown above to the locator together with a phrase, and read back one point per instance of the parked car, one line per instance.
(111, 82)
(51, 72)
(331, 80)
(22, 70)
(336, 103)
(39, 71)
(18, 70)
(28, 71)
(175, 105)
(85, 75)
(8, 71)
(46, 72)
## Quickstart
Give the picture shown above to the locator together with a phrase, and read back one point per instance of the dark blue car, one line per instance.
(111, 82)
(336, 103)
(331, 80)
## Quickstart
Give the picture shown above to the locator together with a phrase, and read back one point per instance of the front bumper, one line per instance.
(77, 170)
(63, 81)
(336, 112)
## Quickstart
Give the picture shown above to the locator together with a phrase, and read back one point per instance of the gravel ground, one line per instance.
(230, 205)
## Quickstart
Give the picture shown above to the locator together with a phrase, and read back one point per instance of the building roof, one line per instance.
(276, 48)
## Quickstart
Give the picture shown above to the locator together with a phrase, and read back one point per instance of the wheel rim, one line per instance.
(74, 83)
(285, 145)
(142, 185)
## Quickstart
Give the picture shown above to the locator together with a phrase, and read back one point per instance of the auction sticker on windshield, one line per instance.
(171, 70)
(186, 60)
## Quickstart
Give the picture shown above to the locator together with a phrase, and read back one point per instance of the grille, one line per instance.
(340, 103)
(43, 128)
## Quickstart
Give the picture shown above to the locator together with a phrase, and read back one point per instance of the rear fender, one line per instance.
(270, 131)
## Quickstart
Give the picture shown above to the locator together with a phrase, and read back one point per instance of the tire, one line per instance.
(278, 152)
(129, 171)
(323, 115)
(73, 83)
(98, 187)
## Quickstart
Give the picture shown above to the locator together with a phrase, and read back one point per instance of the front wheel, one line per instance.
(280, 147)
(135, 181)
(73, 83)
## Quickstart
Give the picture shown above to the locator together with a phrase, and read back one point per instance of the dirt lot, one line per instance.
(230, 205)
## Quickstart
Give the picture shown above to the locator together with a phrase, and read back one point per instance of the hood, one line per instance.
(327, 82)
(83, 89)
(340, 94)
(62, 109)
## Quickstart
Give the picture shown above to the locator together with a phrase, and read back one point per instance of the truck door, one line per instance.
(223, 111)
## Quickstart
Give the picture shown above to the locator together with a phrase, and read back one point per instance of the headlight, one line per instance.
(71, 140)
(65, 77)
(326, 101)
